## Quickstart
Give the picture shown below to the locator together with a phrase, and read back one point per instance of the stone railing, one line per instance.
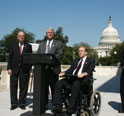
(99, 70)
(4, 77)
(107, 70)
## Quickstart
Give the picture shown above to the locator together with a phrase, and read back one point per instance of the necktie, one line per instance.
(20, 48)
(48, 47)
(78, 67)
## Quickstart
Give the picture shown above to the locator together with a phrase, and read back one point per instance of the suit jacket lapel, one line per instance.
(24, 48)
(44, 46)
(85, 64)
(53, 45)
(18, 50)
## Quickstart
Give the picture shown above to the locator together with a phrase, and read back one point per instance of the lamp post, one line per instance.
(115, 57)
(106, 58)
(115, 52)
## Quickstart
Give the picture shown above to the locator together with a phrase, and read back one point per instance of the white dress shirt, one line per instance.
(51, 41)
(22, 46)
(82, 65)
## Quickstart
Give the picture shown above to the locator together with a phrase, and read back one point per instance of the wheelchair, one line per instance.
(88, 102)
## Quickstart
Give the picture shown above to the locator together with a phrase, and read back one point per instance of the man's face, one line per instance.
(82, 53)
(21, 36)
(50, 34)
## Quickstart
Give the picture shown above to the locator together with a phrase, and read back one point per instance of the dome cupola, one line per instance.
(110, 36)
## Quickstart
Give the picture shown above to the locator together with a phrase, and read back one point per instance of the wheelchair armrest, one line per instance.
(93, 79)
(69, 75)
(94, 70)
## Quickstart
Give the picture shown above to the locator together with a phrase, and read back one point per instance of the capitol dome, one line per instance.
(110, 36)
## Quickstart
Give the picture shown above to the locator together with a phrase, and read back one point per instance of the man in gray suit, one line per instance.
(51, 46)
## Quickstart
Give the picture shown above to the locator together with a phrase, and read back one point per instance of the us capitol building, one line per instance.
(109, 39)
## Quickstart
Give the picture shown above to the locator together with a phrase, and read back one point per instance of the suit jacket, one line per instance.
(56, 49)
(15, 60)
(122, 60)
(88, 67)
(122, 65)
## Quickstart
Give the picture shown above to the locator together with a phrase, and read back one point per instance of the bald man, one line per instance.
(18, 71)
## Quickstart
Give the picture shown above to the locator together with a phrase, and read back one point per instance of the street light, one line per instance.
(115, 57)
(115, 52)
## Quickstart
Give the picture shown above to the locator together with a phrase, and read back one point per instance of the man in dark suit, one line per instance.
(122, 82)
(83, 68)
(18, 71)
(51, 46)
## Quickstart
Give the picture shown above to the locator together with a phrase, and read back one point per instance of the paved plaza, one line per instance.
(107, 85)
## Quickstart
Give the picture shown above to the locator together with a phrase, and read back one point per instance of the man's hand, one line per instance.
(82, 75)
(61, 74)
(10, 72)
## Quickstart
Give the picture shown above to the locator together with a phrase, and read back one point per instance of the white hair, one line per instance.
(50, 28)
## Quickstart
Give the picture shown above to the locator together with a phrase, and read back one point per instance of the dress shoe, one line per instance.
(13, 107)
(68, 114)
(22, 107)
(121, 111)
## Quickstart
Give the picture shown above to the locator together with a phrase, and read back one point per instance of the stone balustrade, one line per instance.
(99, 70)
(4, 77)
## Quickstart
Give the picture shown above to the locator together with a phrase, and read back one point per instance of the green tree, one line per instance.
(105, 61)
(67, 56)
(2, 53)
(8, 39)
(116, 53)
(114, 58)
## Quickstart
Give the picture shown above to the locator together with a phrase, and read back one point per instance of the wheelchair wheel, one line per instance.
(85, 113)
(95, 103)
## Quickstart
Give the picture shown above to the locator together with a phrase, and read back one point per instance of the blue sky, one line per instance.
(82, 20)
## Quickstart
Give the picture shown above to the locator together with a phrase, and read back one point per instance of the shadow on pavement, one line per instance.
(29, 99)
(29, 113)
(114, 105)
(111, 86)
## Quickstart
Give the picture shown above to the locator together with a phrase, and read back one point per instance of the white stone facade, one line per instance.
(103, 51)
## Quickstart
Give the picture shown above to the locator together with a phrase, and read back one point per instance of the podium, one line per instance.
(40, 86)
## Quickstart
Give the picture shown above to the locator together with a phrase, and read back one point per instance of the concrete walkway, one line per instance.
(107, 85)
(109, 89)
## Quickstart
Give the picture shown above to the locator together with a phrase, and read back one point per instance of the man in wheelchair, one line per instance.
(80, 73)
